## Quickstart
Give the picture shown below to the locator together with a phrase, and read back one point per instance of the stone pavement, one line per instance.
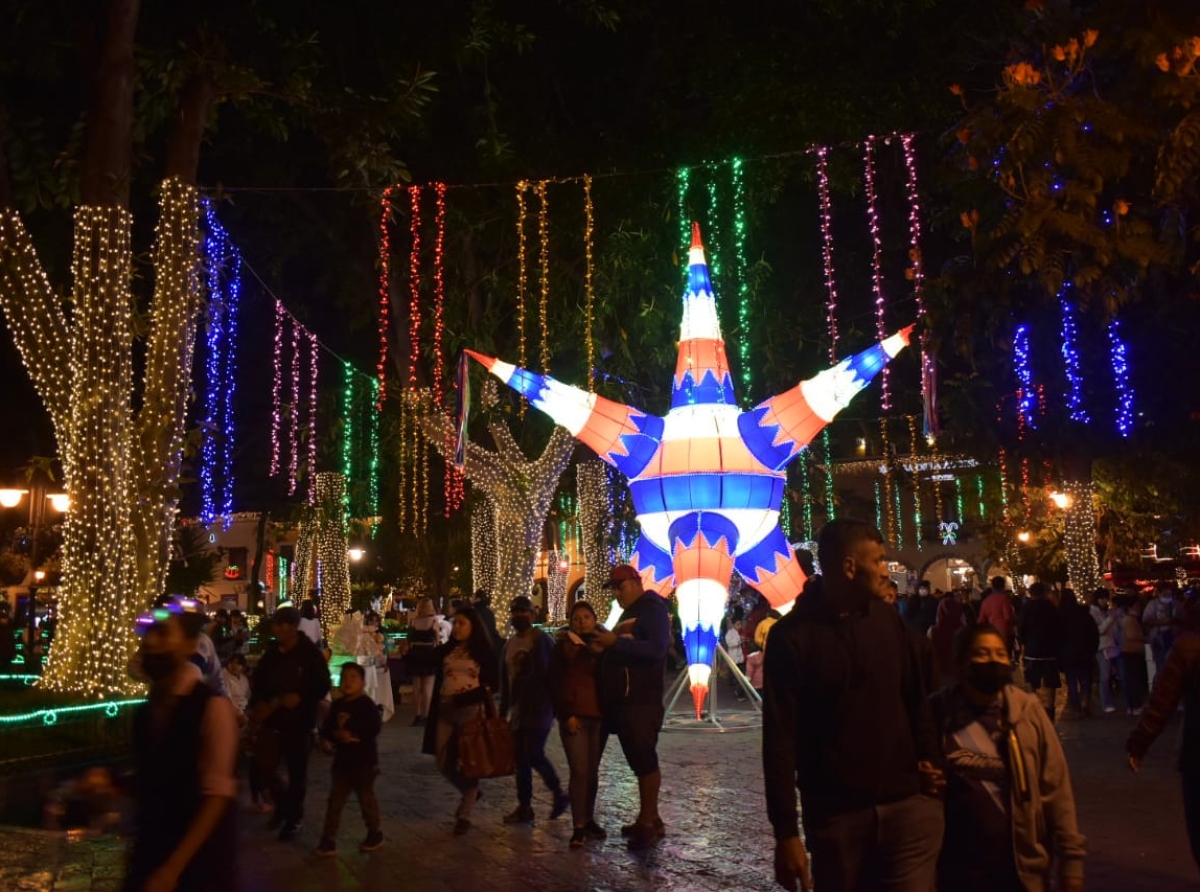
(718, 837)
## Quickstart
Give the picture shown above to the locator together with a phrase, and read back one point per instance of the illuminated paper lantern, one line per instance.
(707, 479)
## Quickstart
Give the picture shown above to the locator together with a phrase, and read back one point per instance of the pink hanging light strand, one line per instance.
(294, 415)
(277, 388)
(885, 394)
(827, 247)
(916, 270)
(313, 351)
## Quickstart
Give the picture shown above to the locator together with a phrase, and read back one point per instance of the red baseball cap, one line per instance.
(619, 574)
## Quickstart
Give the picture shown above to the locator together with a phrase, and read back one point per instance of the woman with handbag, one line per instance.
(466, 674)
(575, 679)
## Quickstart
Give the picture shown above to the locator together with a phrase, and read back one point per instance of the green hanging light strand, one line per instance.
(958, 499)
(830, 511)
(878, 506)
(373, 458)
(979, 493)
(785, 514)
(348, 430)
(806, 494)
(899, 516)
(683, 178)
(712, 238)
(743, 286)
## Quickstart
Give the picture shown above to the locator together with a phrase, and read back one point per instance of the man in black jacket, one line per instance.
(1040, 631)
(845, 719)
(288, 683)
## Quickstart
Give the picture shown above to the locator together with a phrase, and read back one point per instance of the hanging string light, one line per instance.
(916, 480)
(958, 499)
(979, 493)
(885, 396)
(414, 285)
(402, 465)
(294, 418)
(806, 493)
(827, 454)
(589, 296)
(879, 503)
(899, 518)
(1120, 366)
(827, 248)
(1071, 363)
(785, 513)
(737, 182)
(373, 458)
(682, 182)
(313, 351)
(1002, 465)
(385, 291)
(522, 274)
(439, 292)
(544, 270)
(889, 482)
(916, 274)
(349, 428)
(223, 282)
(276, 386)
(1026, 393)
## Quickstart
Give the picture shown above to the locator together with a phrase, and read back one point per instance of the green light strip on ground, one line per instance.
(50, 716)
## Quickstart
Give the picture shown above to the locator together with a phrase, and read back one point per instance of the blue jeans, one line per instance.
(584, 749)
(890, 847)
(530, 747)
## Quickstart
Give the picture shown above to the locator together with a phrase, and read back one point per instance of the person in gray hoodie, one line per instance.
(1010, 811)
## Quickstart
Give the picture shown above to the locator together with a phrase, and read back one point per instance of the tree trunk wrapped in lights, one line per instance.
(483, 545)
(596, 527)
(1079, 537)
(321, 552)
(120, 466)
(520, 492)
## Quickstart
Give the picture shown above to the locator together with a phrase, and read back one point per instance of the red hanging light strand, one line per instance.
(385, 291)
(414, 285)
(827, 247)
(885, 395)
(439, 292)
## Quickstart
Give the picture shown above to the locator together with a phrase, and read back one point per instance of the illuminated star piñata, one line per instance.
(707, 479)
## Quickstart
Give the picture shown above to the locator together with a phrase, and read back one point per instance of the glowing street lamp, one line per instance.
(60, 502)
(11, 498)
(356, 554)
(1023, 536)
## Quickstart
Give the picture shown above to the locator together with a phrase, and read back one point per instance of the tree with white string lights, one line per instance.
(519, 492)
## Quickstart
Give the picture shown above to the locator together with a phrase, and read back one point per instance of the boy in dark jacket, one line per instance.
(353, 726)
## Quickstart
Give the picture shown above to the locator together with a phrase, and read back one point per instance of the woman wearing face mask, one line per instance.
(575, 679)
(1010, 812)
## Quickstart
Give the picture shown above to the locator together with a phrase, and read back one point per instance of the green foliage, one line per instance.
(193, 564)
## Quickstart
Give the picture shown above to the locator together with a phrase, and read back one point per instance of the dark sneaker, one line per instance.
(578, 838)
(372, 843)
(561, 803)
(289, 831)
(326, 848)
(461, 826)
(595, 831)
(522, 814)
(644, 836)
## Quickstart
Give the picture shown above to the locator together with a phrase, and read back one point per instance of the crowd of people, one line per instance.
(894, 731)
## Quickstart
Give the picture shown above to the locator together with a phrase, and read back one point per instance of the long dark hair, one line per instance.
(479, 643)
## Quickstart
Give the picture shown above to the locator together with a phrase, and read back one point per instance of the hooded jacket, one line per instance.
(1042, 802)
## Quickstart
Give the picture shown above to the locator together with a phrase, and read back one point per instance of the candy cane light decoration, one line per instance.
(707, 479)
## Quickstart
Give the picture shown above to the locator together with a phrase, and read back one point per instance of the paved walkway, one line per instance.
(712, 802)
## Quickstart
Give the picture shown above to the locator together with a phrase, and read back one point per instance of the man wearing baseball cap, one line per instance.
(638, 650)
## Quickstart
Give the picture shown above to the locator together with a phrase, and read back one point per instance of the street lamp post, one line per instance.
(38, 496)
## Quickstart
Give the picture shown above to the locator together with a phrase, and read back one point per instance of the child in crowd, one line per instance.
(353, 726)
(237, 682)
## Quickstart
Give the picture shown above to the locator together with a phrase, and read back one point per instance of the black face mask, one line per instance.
(990, 677)
(521, 623)
(158, 666)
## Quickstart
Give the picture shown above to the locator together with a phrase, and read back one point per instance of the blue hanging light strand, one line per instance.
(223, 267)
(1026, 396)
(1071, 364)
(1120, 367)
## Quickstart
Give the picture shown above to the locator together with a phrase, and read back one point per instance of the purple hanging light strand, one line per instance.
(277, 387)
(885, 394)
(827, 247)
(294, 418)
